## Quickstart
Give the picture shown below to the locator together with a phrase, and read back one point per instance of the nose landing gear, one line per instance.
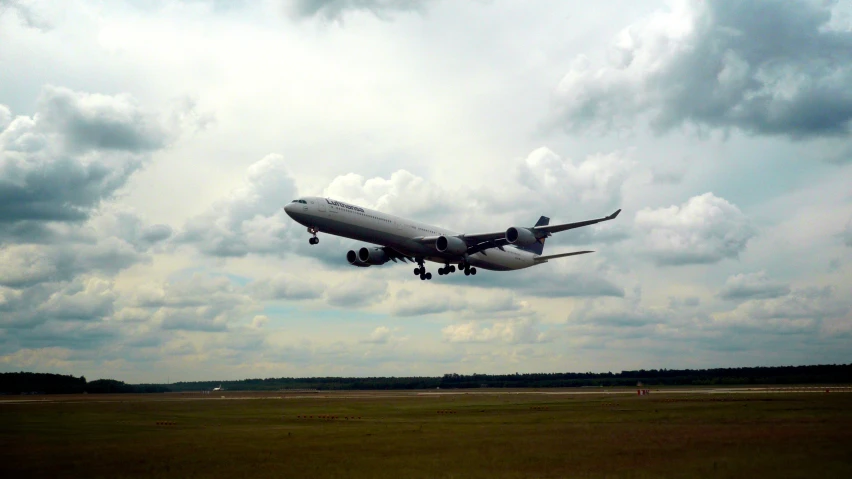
(313, 231)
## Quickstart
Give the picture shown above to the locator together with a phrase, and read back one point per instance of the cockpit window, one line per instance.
(299, 201)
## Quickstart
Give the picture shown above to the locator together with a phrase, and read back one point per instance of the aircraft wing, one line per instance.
(543, 259)
(541, 231)
(570, 226)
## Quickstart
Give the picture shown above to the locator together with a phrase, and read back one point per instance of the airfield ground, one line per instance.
(772, 433)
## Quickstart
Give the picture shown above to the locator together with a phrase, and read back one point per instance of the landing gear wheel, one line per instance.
(467, 272)
(314, 232)
(416, 271)
(441, 272)
(473, 271)
(452, 269)
(428, 275)
(422, 277)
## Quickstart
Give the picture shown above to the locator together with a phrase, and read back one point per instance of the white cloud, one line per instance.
(802, 310)
(335, 9)
(355, 294)
(706, 229)
(380, 335)
(515, 331)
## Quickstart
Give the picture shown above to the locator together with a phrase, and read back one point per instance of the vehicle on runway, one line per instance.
(401, 239)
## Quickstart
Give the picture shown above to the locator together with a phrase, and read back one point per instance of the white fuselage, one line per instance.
(402, 235)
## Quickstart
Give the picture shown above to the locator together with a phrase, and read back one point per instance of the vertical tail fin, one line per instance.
(538, 247)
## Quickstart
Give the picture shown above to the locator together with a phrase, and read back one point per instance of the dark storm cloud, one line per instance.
(76, 335)
(335, 9)
(76, 151)
(752, 286)
(767, 67)
(93, 121)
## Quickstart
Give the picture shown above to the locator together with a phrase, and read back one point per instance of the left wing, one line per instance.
(543, 259)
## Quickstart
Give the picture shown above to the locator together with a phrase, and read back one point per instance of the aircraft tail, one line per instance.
(537, 247)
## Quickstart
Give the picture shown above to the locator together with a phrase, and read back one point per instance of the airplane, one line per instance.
(220, 388)
(402, 239)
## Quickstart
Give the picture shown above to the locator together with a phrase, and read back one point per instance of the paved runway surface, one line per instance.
(248, 395)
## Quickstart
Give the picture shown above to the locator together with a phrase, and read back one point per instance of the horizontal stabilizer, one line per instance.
(543, 259)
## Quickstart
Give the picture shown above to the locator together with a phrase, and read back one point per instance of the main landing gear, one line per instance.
(468, 269)
(421, 270)
(313, 231)
(447, 269)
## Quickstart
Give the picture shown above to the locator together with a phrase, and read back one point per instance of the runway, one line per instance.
(413, 394)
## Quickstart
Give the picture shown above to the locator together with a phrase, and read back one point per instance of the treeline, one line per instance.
(42, 383)
(25, 383)
(824, 374)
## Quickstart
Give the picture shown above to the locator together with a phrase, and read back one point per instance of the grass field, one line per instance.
(792, 434)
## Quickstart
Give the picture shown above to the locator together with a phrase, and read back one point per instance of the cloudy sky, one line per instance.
(147, 149)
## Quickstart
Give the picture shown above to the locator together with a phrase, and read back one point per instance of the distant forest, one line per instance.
(39, 383)
(42, 383)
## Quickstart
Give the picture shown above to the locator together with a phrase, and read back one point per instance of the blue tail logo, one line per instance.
(537, 247)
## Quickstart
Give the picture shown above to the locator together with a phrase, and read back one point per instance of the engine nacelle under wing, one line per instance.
(450, 245)
(352, 257)
(373, 256)
(520, 236)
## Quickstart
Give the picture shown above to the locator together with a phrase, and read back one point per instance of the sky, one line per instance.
(147, 149)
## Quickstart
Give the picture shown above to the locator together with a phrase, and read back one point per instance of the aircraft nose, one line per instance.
(288, 208)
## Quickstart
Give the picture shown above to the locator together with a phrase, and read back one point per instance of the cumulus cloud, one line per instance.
(515, 331)
(435, 301)
(403, 193)
(752, 286)
(249, 220)
(619, 314)
(26, 265)
(542, 182)
(767, 67)
(335, 9)
(286, 286)
(705, 229)
(354, 294)
(86, 121)
(799, 311)
(380, 335)
(596, 180)
(847, 233)
(75, 152)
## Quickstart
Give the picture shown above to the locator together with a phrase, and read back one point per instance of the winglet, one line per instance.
(612, 216)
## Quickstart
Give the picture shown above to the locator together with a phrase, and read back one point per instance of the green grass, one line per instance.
(746, 435)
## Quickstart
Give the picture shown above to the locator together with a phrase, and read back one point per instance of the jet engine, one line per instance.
(372, 256)
(352, 257)
(520, 236)
(450, 245)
